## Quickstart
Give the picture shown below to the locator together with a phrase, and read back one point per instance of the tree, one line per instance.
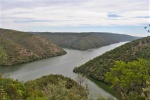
(3, 55)
(147, 28)
(81, 80)
(146, 90)
(128, 79)
(83, 86)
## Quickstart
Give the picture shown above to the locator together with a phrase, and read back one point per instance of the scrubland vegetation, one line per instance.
(22, 47)
(85, 40)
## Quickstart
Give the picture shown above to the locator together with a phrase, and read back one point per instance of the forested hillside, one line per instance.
(126, 69)
(21, 47)
(84, 41)
(131, 51)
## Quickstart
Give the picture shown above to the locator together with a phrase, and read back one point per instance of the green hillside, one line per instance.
(22, 47)
(131, 51)
(50, 87)
(84, 41)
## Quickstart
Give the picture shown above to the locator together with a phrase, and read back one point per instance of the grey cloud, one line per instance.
(142, 17)
(72, 12)
(31, 21)
(29, 4)
(112, 15)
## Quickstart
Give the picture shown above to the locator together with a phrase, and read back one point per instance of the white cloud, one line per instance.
(72, 13)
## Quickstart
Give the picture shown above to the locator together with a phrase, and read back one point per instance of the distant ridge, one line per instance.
(24, 47)
(85, 40)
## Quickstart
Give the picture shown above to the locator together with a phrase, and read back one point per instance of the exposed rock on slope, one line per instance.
(24, 47)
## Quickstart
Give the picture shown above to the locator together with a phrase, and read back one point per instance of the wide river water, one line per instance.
(63, 65)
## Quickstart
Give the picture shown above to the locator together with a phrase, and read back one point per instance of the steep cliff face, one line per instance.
(99, 66)
(86, 40)
(24, 47)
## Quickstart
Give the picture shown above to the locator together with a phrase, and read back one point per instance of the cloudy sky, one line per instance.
(118, 16)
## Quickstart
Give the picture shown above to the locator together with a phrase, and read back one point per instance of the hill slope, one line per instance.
(84, 41)
(24, 47)
(50, 87)
(55, 87)
(98, 67)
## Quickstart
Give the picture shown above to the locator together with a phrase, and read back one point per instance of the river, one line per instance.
(60, 65)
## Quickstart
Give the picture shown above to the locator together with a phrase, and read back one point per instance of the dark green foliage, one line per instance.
(22, 47)
(131, 51)
(129, 79)
(84, 41)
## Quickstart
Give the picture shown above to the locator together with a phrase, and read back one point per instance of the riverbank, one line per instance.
(104, 86)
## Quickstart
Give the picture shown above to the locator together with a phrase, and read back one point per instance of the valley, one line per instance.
(23, 47)
(63, 65)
